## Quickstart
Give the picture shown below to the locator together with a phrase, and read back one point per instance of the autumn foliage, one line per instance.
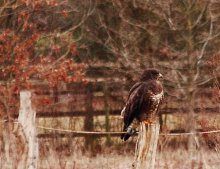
(32, 53)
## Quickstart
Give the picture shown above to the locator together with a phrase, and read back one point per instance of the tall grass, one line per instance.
(70, 153)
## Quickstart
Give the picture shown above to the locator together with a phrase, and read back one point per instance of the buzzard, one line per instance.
(143, 102)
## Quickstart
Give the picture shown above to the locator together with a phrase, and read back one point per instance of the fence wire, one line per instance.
(118, 132)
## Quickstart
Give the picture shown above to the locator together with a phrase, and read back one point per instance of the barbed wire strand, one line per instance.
(117, 132)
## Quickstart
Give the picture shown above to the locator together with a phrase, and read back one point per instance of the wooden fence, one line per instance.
(107, 96)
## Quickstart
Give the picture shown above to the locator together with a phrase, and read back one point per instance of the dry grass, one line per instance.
(169, 159)
(70, 153)
(70, 157)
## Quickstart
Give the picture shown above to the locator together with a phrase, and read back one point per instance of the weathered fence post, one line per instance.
(27, 121)
(146, 146)
(107, 112)
(88, 122)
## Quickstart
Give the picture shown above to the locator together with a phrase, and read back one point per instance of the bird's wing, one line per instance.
(134, 103)
(134, 87)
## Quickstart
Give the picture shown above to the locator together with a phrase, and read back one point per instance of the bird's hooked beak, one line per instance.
(160, 76)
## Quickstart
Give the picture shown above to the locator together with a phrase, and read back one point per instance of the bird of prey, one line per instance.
(143, 102)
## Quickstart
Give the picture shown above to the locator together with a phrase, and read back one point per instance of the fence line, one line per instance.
(118, 132)
(115, 132)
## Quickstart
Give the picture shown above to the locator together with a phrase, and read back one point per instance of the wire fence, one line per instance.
(117, 132)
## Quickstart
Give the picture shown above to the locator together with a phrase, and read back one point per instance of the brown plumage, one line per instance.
(143, 101)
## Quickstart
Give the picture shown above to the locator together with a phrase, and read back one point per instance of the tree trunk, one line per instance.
(146, 147)
(27, 121)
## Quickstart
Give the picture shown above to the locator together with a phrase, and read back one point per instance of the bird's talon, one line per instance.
(131, 131)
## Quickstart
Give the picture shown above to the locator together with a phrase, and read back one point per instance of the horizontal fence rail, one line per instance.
(118, 112)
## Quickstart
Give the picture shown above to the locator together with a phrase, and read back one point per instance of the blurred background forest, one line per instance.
(79, 59)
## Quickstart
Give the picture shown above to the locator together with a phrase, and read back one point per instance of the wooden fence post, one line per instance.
(88, 122)
(107, 113)
(26, 119)
(146, 146)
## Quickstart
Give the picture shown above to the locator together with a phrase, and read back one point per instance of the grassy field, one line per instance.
(169, 159)
(72, 154)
